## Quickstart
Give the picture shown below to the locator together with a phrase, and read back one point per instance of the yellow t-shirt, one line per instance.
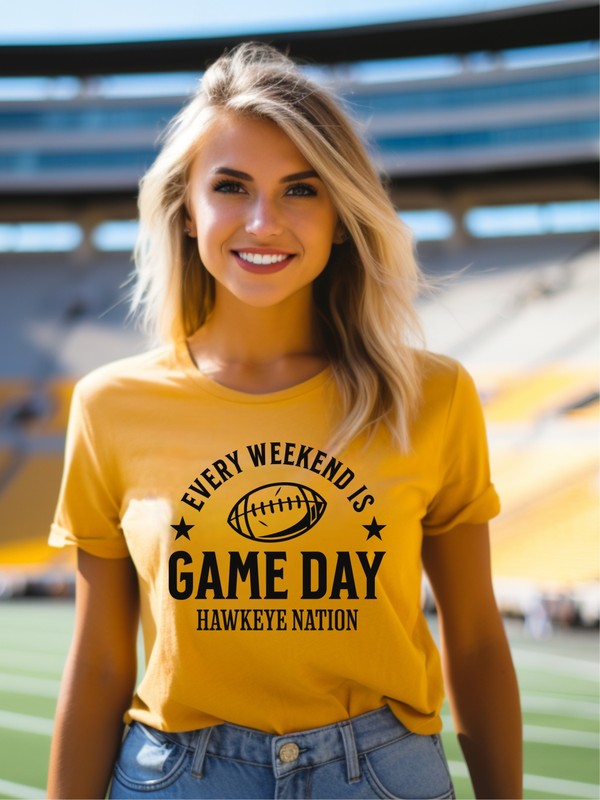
(280, 583)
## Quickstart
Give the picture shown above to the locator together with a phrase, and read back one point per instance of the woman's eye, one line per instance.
(302, 190)
(229, 187)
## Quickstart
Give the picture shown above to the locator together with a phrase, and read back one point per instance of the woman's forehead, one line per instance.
(239, 139)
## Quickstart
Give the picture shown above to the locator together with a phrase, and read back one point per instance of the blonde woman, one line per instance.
(264, 487)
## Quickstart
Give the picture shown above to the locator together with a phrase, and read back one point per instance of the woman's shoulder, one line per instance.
(438, 369)
(445, 381)
(125, 374)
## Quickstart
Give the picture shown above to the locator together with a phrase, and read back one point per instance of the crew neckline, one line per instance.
(186, 362)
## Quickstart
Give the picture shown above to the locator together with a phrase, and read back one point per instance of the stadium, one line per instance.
(485, 128)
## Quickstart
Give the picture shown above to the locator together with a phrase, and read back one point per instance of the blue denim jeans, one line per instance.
(369, 756)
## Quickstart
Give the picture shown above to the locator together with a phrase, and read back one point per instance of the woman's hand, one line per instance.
(98, 680)
(478, 670)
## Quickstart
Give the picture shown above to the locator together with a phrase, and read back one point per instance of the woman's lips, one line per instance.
(263, 262)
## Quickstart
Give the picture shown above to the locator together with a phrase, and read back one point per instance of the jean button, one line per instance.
(289, 752)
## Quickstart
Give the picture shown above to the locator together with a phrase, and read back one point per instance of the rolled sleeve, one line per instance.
(87, 513)
(465, 492)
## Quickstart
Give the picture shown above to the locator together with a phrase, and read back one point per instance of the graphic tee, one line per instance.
(280, 582)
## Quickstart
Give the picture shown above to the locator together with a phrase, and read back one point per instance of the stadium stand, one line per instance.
(505, 126)
(504, 116)
(528, 330)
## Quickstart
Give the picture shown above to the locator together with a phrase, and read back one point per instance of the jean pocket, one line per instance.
(149, 760)
(413, 766)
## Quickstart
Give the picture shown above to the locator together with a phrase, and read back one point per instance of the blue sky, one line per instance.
(37, 21)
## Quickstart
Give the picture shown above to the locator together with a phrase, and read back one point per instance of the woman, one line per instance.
(264, 488)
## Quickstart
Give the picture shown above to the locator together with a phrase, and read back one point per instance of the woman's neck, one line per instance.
(259, 349)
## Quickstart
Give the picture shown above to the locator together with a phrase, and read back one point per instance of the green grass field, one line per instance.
(559, 681)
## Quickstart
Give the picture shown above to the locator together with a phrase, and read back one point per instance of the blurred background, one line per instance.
(483, 118)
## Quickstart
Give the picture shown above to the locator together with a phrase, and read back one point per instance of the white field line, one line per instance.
(23, 641)
(562, 736)
(565, 737)
(40, 663)
(560, 706)
(24, 684)
(18, 790)
(557, 665)
(10, 720)
(541, 783)
(43, 626)
(39, 617)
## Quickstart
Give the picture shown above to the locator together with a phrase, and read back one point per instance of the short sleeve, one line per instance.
(87, 513)
(465, 493)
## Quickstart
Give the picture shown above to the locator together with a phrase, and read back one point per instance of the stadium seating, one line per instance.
(27, 505)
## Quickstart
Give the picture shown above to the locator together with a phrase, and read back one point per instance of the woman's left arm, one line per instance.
(478, 669)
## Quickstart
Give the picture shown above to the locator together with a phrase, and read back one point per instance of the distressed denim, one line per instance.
(369, 756)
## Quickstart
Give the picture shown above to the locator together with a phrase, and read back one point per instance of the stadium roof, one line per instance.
(522, 26)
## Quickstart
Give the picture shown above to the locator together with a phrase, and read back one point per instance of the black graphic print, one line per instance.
(277, 512)
(272, 513)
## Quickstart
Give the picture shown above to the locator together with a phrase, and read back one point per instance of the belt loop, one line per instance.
(352, 763)
(200, 752)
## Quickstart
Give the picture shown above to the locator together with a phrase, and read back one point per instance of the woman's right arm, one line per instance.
(98, 680)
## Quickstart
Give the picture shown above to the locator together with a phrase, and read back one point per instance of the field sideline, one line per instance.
(559, 681)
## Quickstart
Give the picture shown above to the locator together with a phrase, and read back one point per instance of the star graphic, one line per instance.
(182, 529)
(374, 529)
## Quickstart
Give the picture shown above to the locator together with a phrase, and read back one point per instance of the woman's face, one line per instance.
(264, 221)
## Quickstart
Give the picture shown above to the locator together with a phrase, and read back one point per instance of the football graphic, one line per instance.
(277, 512)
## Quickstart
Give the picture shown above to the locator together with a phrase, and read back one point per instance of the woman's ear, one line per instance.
(189, 226)
(341, 235)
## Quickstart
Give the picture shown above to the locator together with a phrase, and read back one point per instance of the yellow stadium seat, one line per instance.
(553, 538)
(531, 396)
(27, 503)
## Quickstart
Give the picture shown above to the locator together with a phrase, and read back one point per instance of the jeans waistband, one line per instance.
(291, 751)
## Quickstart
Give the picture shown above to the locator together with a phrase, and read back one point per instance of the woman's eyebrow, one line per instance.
(299, 176)
(236, 173)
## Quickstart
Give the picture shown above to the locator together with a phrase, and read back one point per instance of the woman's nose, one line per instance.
(264, 218)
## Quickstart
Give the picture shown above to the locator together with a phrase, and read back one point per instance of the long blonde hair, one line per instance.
(365, 295)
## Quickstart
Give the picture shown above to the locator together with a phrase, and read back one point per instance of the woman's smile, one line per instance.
(262, 260)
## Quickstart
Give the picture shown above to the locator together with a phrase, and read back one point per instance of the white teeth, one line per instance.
(263, 258)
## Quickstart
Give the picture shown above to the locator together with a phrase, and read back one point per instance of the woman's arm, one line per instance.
(478, 670)
(98, 680)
